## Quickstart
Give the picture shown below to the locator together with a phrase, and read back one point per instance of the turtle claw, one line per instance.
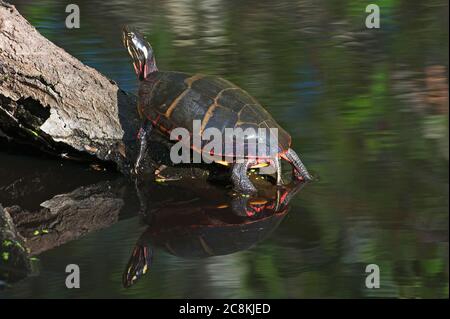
(302, 178)
(300, 173)
(138, 170)
(297, 176)
(162, 179)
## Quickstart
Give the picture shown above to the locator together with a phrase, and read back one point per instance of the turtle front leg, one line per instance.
(144, 137)
(239, 205)
(240, 179)
(299, 170)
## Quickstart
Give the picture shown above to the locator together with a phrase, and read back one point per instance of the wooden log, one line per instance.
(51, 100)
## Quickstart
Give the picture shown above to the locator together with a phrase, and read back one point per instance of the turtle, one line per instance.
(168, 100)
(203, 222)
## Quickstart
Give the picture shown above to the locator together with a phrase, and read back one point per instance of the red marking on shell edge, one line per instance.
(283, 156)
(262, 159)
(138, 134)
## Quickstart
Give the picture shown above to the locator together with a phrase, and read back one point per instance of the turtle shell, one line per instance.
(174, 99)
(215, 240)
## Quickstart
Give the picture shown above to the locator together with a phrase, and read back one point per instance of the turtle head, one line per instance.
(138, 265)
(140, 51)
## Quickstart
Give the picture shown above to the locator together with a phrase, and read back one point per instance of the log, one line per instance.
(51, 100)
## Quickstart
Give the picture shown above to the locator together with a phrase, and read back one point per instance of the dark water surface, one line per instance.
(367, 110)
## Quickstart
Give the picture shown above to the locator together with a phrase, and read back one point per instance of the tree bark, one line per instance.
(51, 100)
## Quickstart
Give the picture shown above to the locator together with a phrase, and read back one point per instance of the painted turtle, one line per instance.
(169, 100)
(205, 222)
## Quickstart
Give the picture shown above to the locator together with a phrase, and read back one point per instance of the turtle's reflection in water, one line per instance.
(206, 221)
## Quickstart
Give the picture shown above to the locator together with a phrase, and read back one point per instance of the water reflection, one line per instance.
(368, 109)
(205, 222)
(47, 203)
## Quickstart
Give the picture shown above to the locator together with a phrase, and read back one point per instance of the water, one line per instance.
(367, 110)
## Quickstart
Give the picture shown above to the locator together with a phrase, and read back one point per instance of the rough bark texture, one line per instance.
(50, 99)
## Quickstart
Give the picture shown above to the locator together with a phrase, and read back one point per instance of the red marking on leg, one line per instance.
(139, 134)
(297, 175)
(283, 197)
(250, 213)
